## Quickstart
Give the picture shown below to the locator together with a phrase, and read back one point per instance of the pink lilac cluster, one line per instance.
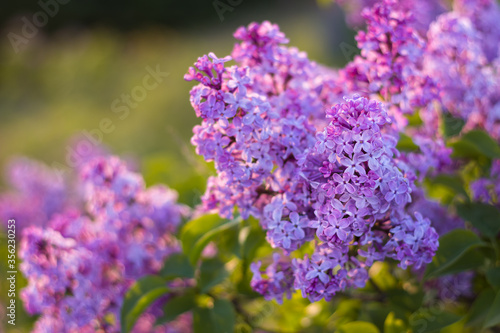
(81, 264)
(462, 56)
(425, 11)
(390, 69)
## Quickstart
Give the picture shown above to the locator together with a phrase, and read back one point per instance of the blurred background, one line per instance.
(66, 66)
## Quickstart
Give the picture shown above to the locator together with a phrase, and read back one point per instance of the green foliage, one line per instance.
(212, 272)
(484, 217)
(197, 233)
(358, 327)
(142, 294)
(452, 247)
(475, 144)
(432, 320)
(493, 317)
(177, 265)
(177, 305)
(220, 317)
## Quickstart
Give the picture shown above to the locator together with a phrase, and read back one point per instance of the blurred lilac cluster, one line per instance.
(81, 256)
(333, 176)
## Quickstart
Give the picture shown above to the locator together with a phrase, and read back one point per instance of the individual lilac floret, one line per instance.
(275, 281)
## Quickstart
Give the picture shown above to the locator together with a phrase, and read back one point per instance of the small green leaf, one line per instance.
(403, 300)
(453, 183)
(452, 126)
(432, 320)
(452, 246)
(197, 233)
(219, 319)
(177, 265)
(393, 324)
(358, 327)
(137, 299)
(493, 276)
(212, 272)
(471, 259)
(493, 317)
(475, 143)
(484, 217)
(250, 238)
(479, 309)
(405, 143)
(177, 305)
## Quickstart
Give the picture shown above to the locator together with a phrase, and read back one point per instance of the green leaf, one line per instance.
(453, 183)
(358, 327)
(452, 126)
(177, 265)
(212, 272)
(493, 317)
(493, 276)
(476, 143)
(393, 324)
(479, 309)
(219, 319)
(471, 259)
(432, 320)
(197, 233)
(403, 300)
(177, 305)
(250, 238)
(484, 217)
(405, 143)
(452, 246)
(137, 299)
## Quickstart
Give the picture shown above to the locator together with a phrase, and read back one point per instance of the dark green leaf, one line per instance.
(471, 259)
(479, 309)
(177, 306)
(476, 143)
(405, 143)
(212, 272)
(404, 300)
(219, 319)
(251, 237)
(177, 265)
(452, 126)
(432, 320)
(484, 217)
(493, 276)
(453, 183)
(142, 293)
(493, 317)
(452, 247)
(197, 233)
(358, 327)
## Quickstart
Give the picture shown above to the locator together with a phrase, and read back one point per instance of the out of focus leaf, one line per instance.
(476, 143)
(197, 233)
(221, 318)
(393, 324)
(452, 246)
(405, 143)
(432, 320)
(452, 126)
(493, 276)
(177, 265)
(176, 306)
(137, 299)
(493, 317)
(454, 183)
(250, 238)
(484, 217)
(479, 309)
(403, 300)
(212, 272)
(358, 327)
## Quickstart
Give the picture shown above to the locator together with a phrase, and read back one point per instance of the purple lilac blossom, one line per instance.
(125, 233)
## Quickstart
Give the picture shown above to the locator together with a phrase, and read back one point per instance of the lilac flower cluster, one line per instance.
(275, 163)
(81, 263)
(487, 190)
